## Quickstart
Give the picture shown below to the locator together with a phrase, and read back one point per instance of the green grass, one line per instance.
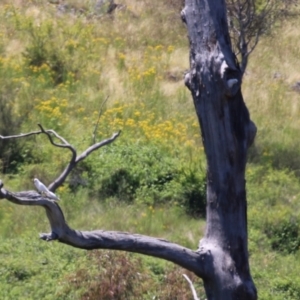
(57, 71)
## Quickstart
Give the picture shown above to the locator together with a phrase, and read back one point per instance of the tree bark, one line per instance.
(227, 131)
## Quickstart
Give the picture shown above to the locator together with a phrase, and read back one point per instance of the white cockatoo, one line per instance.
(44, 190)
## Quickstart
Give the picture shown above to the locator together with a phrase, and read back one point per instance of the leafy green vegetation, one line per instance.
(57, 70)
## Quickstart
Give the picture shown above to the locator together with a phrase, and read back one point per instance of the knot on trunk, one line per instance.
(183, 16)
(192, 82)
(252, 129)
(231, 77)
(246, 290)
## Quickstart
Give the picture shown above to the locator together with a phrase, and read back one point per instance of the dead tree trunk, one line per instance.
(227, 131)
(214, 80)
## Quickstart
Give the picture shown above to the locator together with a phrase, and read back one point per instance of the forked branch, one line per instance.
(74, 160)
(100, 239)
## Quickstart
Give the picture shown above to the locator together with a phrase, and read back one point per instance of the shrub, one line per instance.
(289, 288)
(37, 56)
(147, 175)
(116, 276)
(284, 235)
(44, 55)
(121, 184)
(175, 287)
(194, 192)
(10, 123)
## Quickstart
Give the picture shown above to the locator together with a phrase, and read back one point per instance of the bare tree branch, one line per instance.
(74, 160)
(191, 286)
(194, 261)
(65, 143)
(97, 146)
(21, 135)
(99, 115)
(248, 20)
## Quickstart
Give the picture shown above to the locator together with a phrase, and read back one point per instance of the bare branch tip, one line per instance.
(41, 127)
(191, 286)
(48, 237)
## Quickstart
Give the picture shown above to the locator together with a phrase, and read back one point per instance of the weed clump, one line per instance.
(118, 276)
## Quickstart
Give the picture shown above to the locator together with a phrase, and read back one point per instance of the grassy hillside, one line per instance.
(58, 69)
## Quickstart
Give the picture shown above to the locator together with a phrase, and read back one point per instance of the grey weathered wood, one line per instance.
(227, 131)
(100, 239)
(74, 160)
(214, 80)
